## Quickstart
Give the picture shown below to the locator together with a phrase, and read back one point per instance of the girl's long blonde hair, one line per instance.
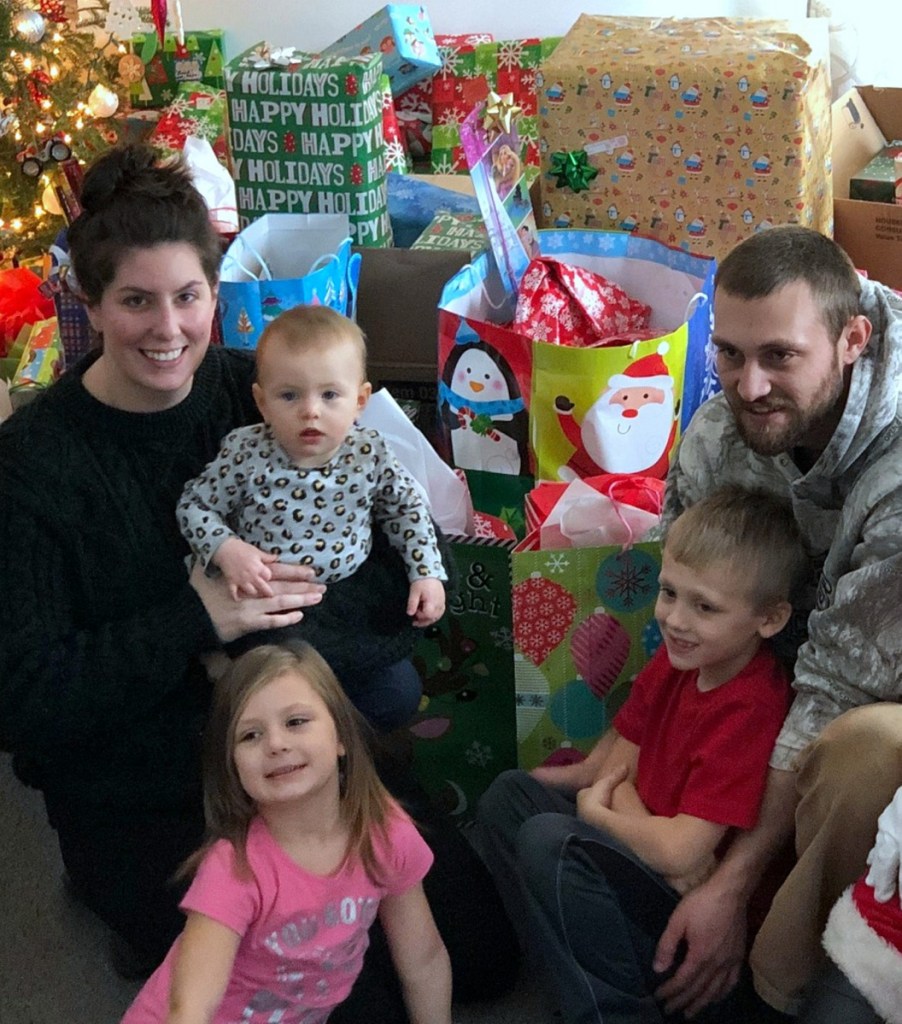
(365, 803)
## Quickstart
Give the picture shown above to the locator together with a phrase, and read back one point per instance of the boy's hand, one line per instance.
(600, 794)
(426, 602)
(245, 567)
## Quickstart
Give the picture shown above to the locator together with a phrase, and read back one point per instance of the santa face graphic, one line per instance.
(629, 427)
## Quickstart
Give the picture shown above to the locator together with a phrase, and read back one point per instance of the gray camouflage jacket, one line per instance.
(849, 509)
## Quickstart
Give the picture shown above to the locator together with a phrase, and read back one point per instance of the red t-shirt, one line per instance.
(705, 753)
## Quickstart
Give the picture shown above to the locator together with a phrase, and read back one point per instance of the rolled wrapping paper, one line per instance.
(543, 612)
(599, 647)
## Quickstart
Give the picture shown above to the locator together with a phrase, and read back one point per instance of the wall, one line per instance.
(310, 24)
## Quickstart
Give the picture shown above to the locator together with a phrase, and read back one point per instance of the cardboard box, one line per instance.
(307, 138)
(403, 35)
(700, 131)
(871, 233)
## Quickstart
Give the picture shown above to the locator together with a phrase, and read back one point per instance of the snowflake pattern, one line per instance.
(443, 166)
(531, 700)
(450, 118)
(557, 562)
(504, 638)
(480, 755)
(510, 55)
(450, 57)
(630, 582)
(395, 156)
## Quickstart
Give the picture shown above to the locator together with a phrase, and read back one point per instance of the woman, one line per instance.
(102, 691)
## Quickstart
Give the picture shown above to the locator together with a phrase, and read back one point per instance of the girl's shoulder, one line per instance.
(403, 854)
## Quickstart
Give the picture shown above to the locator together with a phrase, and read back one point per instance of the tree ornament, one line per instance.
(131, 68)
(30, 25)
(159, 10)
(50, 202)
(53, 10)
(102, 102)
(573, 169)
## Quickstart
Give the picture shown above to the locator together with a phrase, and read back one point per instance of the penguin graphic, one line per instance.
(482, 408)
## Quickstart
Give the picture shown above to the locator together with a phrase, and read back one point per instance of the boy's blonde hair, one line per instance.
(752, 532)
(305, 327)
(365, 803)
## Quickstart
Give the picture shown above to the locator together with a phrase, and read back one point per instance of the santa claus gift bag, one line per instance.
(630, 362)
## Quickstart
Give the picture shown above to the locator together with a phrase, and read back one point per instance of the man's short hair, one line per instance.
(775, 257)
(751, 531)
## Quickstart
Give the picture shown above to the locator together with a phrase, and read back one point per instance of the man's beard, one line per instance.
(798, 426)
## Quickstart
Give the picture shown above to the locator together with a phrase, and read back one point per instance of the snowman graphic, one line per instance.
(482, 408)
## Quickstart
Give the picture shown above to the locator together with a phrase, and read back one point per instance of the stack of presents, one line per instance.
(528, 231)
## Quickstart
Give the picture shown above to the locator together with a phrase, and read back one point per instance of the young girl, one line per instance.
(304, 848)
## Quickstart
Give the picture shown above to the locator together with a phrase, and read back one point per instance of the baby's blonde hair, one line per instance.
(306, 327)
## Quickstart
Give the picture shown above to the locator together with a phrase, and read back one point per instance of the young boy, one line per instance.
(306, 485)
(601, 850)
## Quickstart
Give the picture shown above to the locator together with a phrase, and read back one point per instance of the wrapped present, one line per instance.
(468, 74)
(697, 132)
(876, 181)
(153, 73)
(403, 35)
(306, 137)
(197, 110)
(413, 201)
(41, 363)
(464, 231)
(396, 156)
(415, 105)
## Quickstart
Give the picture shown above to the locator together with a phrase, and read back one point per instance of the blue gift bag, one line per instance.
(284, 260)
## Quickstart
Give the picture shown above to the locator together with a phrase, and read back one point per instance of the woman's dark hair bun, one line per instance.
(119, 170)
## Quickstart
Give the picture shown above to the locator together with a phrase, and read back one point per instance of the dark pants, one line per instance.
(121, 865)
(589, 912)
(388, 698)
(833, 999)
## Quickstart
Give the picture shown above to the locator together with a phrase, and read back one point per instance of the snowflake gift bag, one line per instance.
(583, 627)
(307, 138)
(153, 73)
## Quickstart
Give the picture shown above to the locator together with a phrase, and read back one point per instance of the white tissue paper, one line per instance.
(447, 496)
(213, 182)
(586, 518)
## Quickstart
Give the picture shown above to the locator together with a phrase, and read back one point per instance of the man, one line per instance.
(809, 356)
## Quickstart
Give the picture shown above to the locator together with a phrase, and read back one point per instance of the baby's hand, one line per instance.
(245, 567)
(426, 602)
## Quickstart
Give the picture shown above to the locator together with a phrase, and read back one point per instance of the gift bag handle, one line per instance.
(264, 267)
(616, 503)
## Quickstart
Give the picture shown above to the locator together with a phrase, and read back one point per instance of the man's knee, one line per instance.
(540, 845)
(859, 747)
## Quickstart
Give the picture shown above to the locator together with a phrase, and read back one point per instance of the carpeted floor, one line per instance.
(53, 952)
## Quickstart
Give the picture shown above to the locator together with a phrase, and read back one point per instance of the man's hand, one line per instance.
(713, 929)
(885, 858)
(426, 602)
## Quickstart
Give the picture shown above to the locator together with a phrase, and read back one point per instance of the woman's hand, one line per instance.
(292, 589)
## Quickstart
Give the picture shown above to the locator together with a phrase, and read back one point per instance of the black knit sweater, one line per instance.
(102, 695)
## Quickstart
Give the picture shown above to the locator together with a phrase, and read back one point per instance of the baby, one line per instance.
(306, 485)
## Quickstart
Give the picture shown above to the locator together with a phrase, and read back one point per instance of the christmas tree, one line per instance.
(57, 93)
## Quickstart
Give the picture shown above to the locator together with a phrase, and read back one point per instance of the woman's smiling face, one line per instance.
(155, 318)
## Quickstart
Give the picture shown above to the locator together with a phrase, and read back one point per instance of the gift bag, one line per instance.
(620, 408)
(583, 624)
(284, 260)
(464, 732)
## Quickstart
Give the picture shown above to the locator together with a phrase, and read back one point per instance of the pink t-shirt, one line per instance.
(303, 936)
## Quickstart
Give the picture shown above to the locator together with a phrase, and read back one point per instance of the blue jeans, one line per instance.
(388, 698)
(590, 912)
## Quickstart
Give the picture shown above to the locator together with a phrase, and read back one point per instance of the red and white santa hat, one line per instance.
(864, 939)
(649, 371)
